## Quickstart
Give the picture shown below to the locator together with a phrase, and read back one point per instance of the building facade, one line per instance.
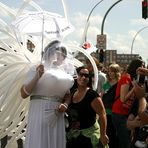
(111, 56)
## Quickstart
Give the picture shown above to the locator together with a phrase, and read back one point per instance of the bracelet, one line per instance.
(65, 105)
(26, 92)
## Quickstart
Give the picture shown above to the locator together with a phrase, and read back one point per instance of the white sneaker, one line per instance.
(140, 144)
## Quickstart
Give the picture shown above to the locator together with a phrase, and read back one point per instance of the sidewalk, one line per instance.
(14, 145)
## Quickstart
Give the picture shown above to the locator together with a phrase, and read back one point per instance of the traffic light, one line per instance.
(144, 9)
(101, 56)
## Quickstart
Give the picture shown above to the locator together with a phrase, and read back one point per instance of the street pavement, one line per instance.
(14, 145)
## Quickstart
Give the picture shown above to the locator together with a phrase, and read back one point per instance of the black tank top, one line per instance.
(81, 114)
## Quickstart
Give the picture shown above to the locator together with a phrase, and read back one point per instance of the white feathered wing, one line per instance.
(13, 109)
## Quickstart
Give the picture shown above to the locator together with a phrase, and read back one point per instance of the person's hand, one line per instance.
(142, 71)
(62, 107)
(139, 91)
(132, 124)
(147, 140)
(104, 139)
(144, 117)
(40, 70)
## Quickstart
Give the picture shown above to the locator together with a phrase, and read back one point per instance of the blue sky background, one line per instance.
(121, 25)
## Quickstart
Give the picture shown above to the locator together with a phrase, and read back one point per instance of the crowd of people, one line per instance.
(129, 109)
(115, 115)
(127, 113)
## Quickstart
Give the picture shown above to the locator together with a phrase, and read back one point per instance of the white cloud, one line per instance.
(79, 21)
(119, 43)
(137, 22)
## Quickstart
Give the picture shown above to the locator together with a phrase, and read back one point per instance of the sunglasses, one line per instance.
(84, 74)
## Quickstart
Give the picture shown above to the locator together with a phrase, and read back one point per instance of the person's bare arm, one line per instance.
(138, 90)
(102, 93)
(67, 98)
(66, 101)
(142, 71)
(142, 105)
(133, 122)
(98, 107)
(125, 93)
(26, 89)
(144, 116)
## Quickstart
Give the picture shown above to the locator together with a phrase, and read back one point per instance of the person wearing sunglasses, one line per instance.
(85, 106)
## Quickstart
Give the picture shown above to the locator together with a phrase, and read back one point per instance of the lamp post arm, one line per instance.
(135, 38)
(102, 27)
(93, 10)
(87, 22)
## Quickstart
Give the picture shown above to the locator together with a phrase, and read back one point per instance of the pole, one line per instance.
(136, 36)
(102, 27)
(87, 22)
(103, 21)
(42, 39)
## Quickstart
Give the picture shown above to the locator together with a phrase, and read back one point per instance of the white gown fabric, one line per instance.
(46, 126)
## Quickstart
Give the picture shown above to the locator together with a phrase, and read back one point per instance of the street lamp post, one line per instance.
(102, 27)
(136, 36)
(90, 16)
(101, 39)
(84, 38)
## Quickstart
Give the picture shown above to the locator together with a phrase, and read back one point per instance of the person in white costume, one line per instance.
(48, 86)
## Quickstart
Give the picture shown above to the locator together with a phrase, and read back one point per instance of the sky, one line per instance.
(123, 24)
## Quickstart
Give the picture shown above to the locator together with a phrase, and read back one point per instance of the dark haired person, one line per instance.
(84, 130)
(48, 86)
(123, 103)
(141, 92)
(133, 122)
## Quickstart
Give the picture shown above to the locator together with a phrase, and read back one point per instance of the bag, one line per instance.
(109, 97)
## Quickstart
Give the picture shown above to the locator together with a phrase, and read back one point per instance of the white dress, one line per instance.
(46, 126)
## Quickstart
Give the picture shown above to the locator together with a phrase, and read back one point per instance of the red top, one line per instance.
(118, 104)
